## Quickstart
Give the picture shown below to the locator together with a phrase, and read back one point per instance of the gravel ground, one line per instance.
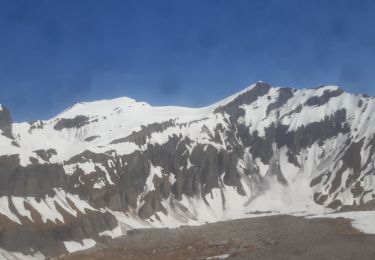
(272, 237)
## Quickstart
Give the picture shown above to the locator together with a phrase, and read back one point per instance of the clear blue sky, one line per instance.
(191, 53)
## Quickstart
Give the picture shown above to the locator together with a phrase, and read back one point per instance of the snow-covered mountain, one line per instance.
(99, 168)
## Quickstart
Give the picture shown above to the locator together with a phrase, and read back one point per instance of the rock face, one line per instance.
(5, 122)
(101, 167)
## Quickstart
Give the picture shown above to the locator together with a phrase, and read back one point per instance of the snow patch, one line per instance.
(116, 232)
(224, 256)
(154, 171)
(73, 246)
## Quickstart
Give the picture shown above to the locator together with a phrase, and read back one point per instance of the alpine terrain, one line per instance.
(101, 168)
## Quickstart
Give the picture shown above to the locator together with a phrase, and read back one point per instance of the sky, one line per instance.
(189, 53)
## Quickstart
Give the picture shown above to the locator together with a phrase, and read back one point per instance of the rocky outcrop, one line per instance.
(5, 122)
(75, 122)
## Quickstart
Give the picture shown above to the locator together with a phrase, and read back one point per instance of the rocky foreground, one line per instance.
(271, 237)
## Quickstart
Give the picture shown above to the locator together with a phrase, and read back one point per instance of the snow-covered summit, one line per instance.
(102, 107)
